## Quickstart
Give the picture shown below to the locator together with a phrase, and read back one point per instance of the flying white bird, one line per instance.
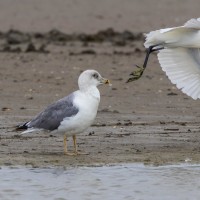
(72, 114)
(179, 55)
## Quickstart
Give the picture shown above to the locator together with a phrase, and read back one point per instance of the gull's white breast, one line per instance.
(87, 103)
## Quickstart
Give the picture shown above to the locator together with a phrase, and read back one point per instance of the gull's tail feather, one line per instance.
(24, 127)
(21, 127)
(30, 130)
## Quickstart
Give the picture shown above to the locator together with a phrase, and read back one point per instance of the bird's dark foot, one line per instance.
(136, 74)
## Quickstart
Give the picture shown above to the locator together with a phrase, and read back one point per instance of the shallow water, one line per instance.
(128, 181)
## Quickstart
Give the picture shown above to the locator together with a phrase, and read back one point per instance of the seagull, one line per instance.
(72, 114)
(178, 54)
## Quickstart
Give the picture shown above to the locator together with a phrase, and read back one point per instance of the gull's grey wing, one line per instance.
(54, 114)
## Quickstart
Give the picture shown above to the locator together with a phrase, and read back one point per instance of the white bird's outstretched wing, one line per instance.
(187, 35)
(193, 23)
(182, 66)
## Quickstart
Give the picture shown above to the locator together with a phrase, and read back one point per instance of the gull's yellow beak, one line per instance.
(105, 81)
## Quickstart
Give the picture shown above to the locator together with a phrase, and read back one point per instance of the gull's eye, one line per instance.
(95, 75)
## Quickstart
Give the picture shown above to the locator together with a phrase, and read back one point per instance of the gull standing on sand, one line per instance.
(179, 55)
(72, 114)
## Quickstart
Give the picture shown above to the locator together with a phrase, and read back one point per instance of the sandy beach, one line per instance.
(42, 55)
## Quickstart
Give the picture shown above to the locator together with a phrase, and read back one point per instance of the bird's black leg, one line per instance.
(149, 51)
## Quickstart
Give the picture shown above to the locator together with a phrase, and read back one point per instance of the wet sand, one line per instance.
(146, 121)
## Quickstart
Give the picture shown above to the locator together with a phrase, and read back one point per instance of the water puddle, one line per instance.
(129, 181)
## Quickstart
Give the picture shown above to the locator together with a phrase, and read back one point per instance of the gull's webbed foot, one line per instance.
(81, 153)
(70, 153)
(75, 152)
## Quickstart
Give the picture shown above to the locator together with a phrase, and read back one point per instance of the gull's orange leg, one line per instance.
(76, 152)
(65, 147)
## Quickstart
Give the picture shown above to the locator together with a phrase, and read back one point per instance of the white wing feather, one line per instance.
(182, 66)
(193, 23)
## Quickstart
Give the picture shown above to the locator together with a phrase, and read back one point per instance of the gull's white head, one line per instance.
(91, 78)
